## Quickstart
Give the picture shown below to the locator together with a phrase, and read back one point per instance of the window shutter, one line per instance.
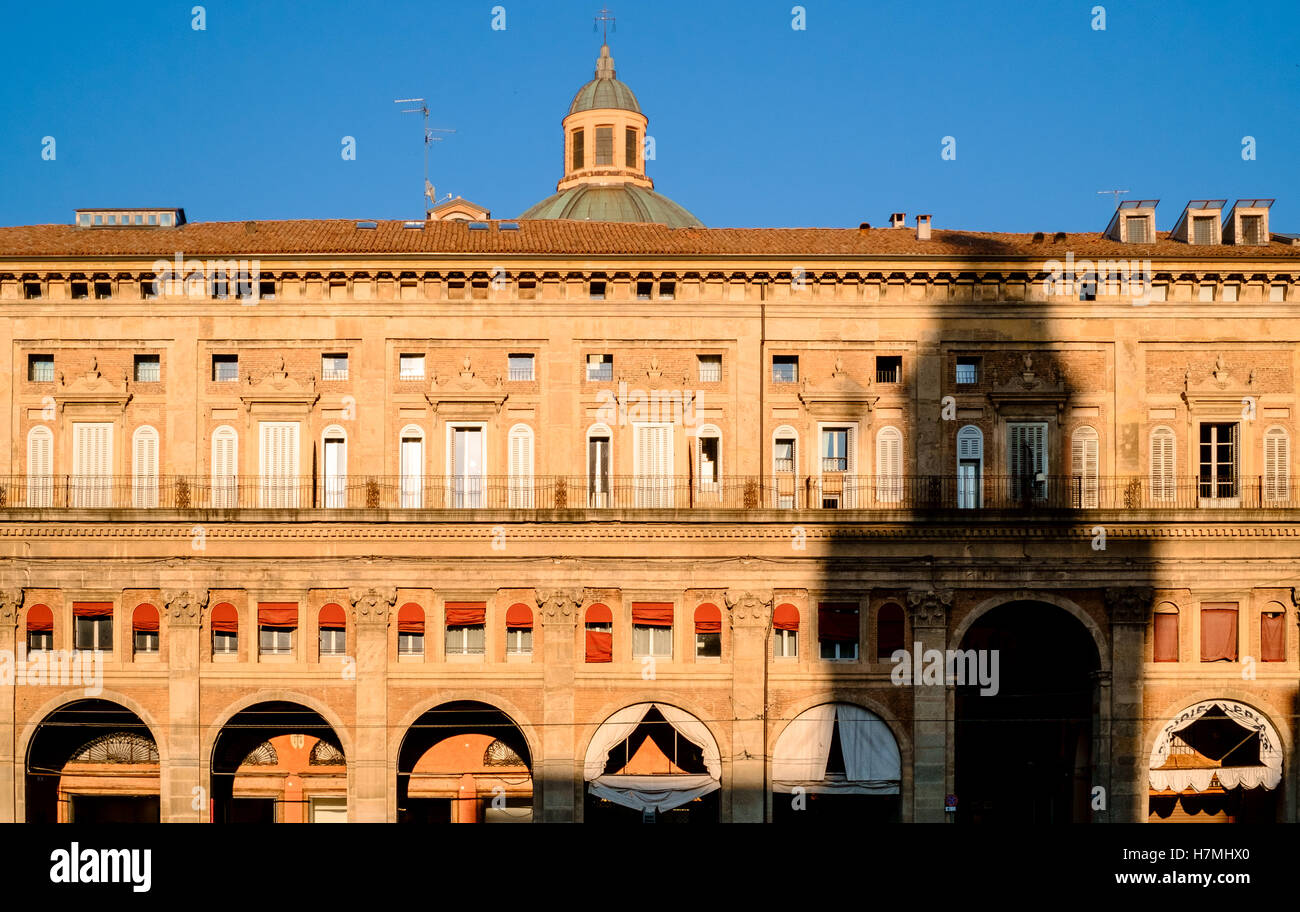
(1277, 462)
(889, 465)
(40, 468)
(969, 444)
(1162, 464)
(521, 469)
(1236, 459)
(92, 464)
(279, 463)
(223, 467)
(144, 467)
(1084, 458)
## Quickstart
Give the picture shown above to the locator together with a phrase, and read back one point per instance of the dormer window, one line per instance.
(1252, 229)
(1247, 223)
(1136, 228)
(1203, 229)
(1134, 222)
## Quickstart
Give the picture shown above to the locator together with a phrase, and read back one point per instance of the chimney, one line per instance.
(923, 227)
(897, 220)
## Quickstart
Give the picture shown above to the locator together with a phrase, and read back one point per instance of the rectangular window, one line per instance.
(604, 146)
(1219, 460)
(1027, 460)
(597, 290)
(333, 642)
(785, 368)
(783, 454)
(1137, 229)
(708, 645)
(92, 464)
(889, 369)
(835, 449)
(710, 367)
(225, 368)
(1164, 647)
(968, 371)
(600, 367)
(644, 290)
(1230, 293)
(629, 148)
(838, 631)
(521, 367)
(334, 367)
(1219, 632)
(1276, 293)
(465, 640)
(667, 291)
(40, 368)
(411, 644)
(786, 643)
(94, 633)
(146, 641)
(1203, 229)
(40, 640)
(103, 290)
(652, 641)
(598, 492)
(80, 290)
(148, 368)
(519, 641)
(410, 367)
(1252, 229)
(579, 150)
(31, 290)
(1205, 293)
(1159, 292)
(225, 642)
(220, 286)
(276, 640)
(266, 289)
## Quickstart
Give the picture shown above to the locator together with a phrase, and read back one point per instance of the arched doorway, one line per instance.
(278, 762)
(464, 762)
(836, 762)
(652, 762)
(1024, 743)
(92, 761)
(1219, 761)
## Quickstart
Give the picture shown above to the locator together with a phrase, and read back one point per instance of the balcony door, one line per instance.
(1027, 461)
(92, 464)
(1220, 462)
(279, 464)
(334, 457)
(598, 471)
(467, 482)
(412, 470)
(970, 468)
(653, 458)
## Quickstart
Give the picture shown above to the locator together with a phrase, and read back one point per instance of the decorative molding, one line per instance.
(372, 607)
(184, 609)
(840, 396)
(118, 747)
(466, 395)
(93, 389)
(11, 603)
(325, 754)
(262, 755)
(277, 388)
(1129, 604)
(745, 609)
(1219, 390)
(929, 607)
(560, 607)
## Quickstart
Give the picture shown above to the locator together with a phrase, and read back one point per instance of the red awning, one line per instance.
(1272, 637)
(410, 619)
(225, 619)
(277, 614)
(708, 619)
(652, 614)
(519, 617)
(40, 618)
(466, 614)
(837, 625)
(786, 617)
(1165, 647)
(600, 646)
(92, 609)
(332, 618)
(145, 619)
(599, 614)
(889, 630)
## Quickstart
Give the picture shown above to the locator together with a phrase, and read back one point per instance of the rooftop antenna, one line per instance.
(1115, 193)
(423, 108)
(605, 20)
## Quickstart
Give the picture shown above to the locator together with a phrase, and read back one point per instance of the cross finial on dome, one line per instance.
(605, 18)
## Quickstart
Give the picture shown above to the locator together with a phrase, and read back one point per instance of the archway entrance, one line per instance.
(1219, 761)
(92, 761)
(464, 762)
(278, 762)
(1024, 753)
(652, 763)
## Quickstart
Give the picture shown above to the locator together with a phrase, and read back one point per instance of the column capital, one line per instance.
(184, 608)
(559, 607)
(11, 603)
(1129, 605)
(929, 607)
(372, 607)
(749, 609)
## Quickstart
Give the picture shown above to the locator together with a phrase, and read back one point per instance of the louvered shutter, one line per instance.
(223, 468)
(40, 468)
(521, 469)
(851, 466)
(1085, 459)
(144, 469)
(92, 464)
(1027, 457)
(1236, 459)
(279, 464)
(1163, 483)
(1277, 462)
(889, 465)
(654, 465)
(970, 456)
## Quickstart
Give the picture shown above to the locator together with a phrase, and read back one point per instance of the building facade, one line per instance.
(601, 514)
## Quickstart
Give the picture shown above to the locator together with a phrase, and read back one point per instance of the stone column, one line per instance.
(557, 773)
(930, 748)
(1130, 610)
(750, 618)
(11, 767)
(186, 797)
(372, 781)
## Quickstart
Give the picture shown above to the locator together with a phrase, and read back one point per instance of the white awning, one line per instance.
(872, 764)
(662, 793)
(1266, 775)
(616, 729)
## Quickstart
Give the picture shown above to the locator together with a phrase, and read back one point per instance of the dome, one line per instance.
(613, 203)
(604, 91)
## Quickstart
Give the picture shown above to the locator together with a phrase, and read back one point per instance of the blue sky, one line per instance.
(755, 123)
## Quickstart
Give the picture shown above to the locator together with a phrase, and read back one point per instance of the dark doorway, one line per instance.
(114, 809)
(251, 810)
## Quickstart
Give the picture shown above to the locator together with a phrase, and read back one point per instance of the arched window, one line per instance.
(889, 465)
(40, 467)
(708, 460)
(708, 632)
(1085, 460)
(1164, 480)
(410, 630)
(970, 468)
(785, 467)
(1272, 633)
(785, 631)
(889, 631)
(600, 633)
(225, 467)
(144, 628)
(225, 629)
(1277, 464)
(40, 628)
(521, 467)
(519, 630)
(334, 462)
(599, 459)
(144, 468)
(411, 468)
(333, 627)
(1165, 634)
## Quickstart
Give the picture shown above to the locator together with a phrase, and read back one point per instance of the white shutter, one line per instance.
(654, 462)
(40, 468)
(336, 470)
(144, 468)
(889, 465)
(1085, 461)
(521, 468)
(1277, 463)
(1163, 479)
(92, 465)
(412, 467)
(851, 466)
(279, 440)
(224, 468)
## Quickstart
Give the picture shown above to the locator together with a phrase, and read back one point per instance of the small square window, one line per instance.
(527, 289)
(146, 642)
(99, 220)
(1252, 229)
(708, 645)
(153, 220)
(1203, 229)
(644, 290)
(148, 287)
(785, 368)
(103, 290)
(1205, 293)
(667, 290)
(968, 371)
(1137, 229)
(521, 367)
(83, 218)
(220, 287)
(710, 367)
(40, 368)
(597, 290)
(333, 641)
(225, 642)
(600, 367)
(276, 640)
(80, 290)
(148, 368)
(266, 289)
(889, 369)
(1277, 293)
(334, 367)
(410, 367)
(225, 368)
(165, 219)
(31, 290)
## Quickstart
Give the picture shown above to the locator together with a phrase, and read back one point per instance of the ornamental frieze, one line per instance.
(372, 607)
(184, 608)
(929, 607)
(748, 609)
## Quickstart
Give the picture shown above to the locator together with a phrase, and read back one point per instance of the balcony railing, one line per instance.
(577, 492)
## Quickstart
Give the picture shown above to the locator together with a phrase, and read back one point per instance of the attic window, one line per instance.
(1136, 227)
(266, 289)
(508, 226)
(667, 290)
(103, 290)
(1203, 229)
(478, 226)
(31, 290)
(367, 224)
(80, 290)
(413, 224)
(1252, 229)
(597, 290)
(644, 290)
